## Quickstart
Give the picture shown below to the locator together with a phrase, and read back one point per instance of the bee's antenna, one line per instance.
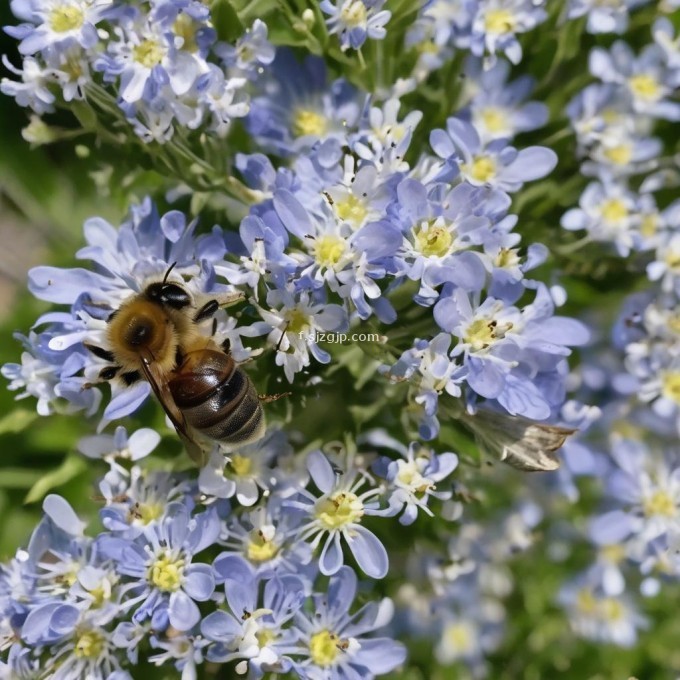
(167, 273)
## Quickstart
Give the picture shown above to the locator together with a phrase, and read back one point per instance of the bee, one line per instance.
(155, 336)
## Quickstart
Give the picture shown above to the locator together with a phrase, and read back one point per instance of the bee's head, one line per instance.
(171, 294)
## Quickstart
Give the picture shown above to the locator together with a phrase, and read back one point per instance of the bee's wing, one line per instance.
(159, 385)
(517, 441)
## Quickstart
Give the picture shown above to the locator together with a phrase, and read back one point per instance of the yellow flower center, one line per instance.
(148, 53)
(351, 209)
(433, 241)
(614, 210)
(259, 548)
(147, 512)
(339, 509)
(645, 87)
(265, 636)
(354, 14)
(328, 249)
(659, 503)
(671, 386)
(324, 648)
(297, 321)
(674, 323)
(612, 610)
(649, 225)
(482, 169)
(458, 636)
(184, 28)
(89, 645)
(241, 465)
(619, 155)
(673, 260)
(585, 602)
(306, 122)
(614, 552)
(166, 573)
(499, 21)
(481, 333)
(507, 257)
(493, 119)
(63, 19)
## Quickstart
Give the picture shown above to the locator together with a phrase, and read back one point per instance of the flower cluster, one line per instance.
(188, 577)
(395, 177)
(160, 67)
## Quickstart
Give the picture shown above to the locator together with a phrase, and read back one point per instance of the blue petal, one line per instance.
(183, 612)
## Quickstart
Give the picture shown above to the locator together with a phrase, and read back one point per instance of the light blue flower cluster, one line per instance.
(186, 577)
(160, 64)
(614, 120)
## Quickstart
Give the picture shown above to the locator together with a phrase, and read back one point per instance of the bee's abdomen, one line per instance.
(217, 398)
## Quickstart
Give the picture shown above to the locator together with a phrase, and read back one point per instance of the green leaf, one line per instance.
(16, 421)
(72, 466)
(85, 114)
(19, 478)
(226, 21)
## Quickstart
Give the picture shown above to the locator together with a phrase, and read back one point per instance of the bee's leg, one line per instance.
(214, 327)
(268, 398)
(131, 377)
(99, 352)
(226, 345)
(209, 309)
(107, 373)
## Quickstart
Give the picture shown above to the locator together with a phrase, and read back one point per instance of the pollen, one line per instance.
(351, 209)
(68, 18)
(166, 573)
(147, 512)
(660, 503)
(482, 169)
(433, 240)
(619, 155)
(493, 119)
(480, 334)
(329, 249)
(89, 645)
(339, 509)
(241, 465)
(499, 21)
(614, 210)
(354, 14)
(259, 548)
(506, 258)
(148, 53)
(645, 87)
(324, 648)
(308, 122)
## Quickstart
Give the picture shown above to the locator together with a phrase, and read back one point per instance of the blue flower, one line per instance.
(56, 23)
(412, 479)
(334, 643)
(164, 585)
(299, 108)
(496, 164)
(254, 632)
(337, 514)
(356, 20)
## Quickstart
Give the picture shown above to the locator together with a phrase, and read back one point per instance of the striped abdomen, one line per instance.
(217, 398)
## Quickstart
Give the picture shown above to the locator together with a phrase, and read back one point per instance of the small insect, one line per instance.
(155, 336)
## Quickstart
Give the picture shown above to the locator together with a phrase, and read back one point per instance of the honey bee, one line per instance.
(155, 336)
